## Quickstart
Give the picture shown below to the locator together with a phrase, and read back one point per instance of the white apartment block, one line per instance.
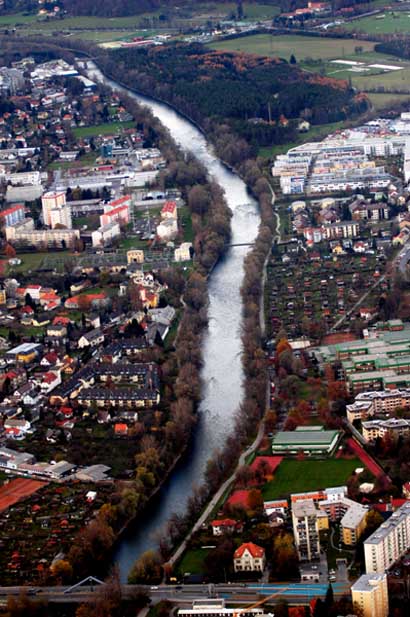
(24, 234)
(24, 178)
(389, 542)
(370, 595)
(367, 404)
(104, 235)
(61, 216)
(306, 529)
(52, 201)
(395, 427)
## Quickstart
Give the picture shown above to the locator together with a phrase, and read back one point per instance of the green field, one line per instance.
(383, 100)
(315, 133)
(294, 476)
(391, 23)
(193, 561)
(69, 23)
(102, 129)
(301, 46)
(30, 261)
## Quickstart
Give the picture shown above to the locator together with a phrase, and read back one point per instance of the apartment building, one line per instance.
(370, 595)
(353, 522)
(395, 427)
(343, 229)
(24, 234)
(389, 542)
(103, 236)
(306, 529)
(12, 215)
(368, 404)
(51, 201)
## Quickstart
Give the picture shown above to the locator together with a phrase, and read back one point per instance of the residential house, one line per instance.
(249, 557)
(224, 526)
(91, 339)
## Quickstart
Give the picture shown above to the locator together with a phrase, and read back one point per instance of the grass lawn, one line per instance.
(102, 129)
(87, 160)
(391, 22)
(393, 79)
(382, 100)
(30, 261)
(294, 476)
(193, 561)
(315, 133)
(132, 242)
(185, 219)
(301, 46)
(16, 18)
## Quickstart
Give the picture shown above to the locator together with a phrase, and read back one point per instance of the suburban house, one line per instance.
(91, 339)
(222, 526)
(249, 557)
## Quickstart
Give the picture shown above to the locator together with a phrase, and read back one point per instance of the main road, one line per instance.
(222, 373)
(294, 593)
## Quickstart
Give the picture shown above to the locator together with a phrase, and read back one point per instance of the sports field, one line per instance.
(376, 24)
(301, 46)
(17, 489)
(102, 129)
(294, 476)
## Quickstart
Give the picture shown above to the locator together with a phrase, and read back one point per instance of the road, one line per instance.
(183, 594)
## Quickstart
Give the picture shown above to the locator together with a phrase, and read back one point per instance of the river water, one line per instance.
(222, 371)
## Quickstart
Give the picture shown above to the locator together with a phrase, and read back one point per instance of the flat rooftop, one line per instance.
(305, 437)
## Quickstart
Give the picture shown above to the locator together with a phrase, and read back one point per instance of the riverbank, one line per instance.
(222, 370)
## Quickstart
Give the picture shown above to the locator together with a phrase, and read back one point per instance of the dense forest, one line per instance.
(256, 96)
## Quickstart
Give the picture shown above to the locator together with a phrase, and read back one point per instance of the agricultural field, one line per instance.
(317, 55)
(382, 100)
(308, 475)
(394, 21)
(301, 46)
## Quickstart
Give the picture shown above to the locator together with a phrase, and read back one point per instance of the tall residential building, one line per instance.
(370, 594)
(61, 216)
(306, 529)
(388, 542)
(51, 201)
(12, 215)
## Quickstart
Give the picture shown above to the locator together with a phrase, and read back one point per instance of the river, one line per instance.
(222, 370)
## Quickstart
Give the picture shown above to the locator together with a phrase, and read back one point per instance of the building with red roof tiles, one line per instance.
(169, 210)
(222, 526)
(249, 557)
(120, 429)
(119, 214)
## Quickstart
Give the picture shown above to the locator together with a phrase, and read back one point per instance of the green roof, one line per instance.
(302, 438)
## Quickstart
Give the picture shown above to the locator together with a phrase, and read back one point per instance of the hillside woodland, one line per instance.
(255, 97)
